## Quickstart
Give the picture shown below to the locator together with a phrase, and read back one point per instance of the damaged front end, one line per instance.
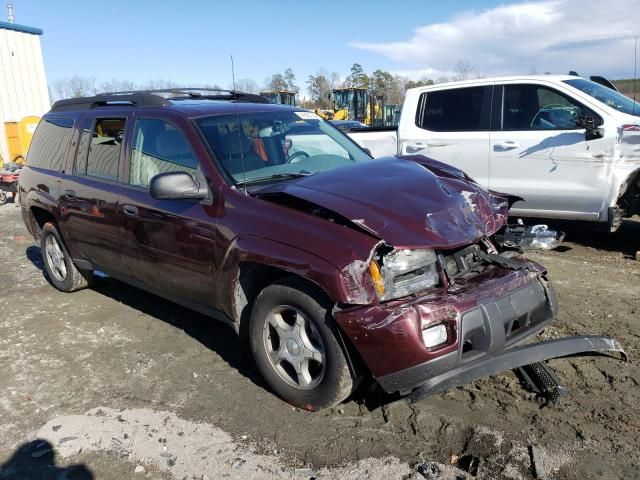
(438, 302)
(473, 321)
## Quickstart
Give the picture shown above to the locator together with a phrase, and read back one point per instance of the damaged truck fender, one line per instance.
(264, 258)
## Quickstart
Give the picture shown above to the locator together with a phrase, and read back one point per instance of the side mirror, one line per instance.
(368, 151)
(177, 185)
(591, 130)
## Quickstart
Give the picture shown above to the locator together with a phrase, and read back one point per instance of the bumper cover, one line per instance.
(491, 327)
(517, 357)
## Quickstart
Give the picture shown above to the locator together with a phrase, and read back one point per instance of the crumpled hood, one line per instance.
(405, 201)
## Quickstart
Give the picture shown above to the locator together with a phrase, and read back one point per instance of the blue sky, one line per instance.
(190, 42)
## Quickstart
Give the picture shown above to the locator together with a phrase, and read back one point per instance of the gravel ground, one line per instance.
(113, 383)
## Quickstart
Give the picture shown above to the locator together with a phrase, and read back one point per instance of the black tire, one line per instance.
(72, 278)
(336, 381)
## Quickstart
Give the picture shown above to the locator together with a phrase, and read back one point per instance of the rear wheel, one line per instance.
(62, 273)
(296, 347)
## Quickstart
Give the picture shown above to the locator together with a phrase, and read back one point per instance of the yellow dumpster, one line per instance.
(19, 135)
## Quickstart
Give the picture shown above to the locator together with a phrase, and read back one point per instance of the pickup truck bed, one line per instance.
(380, 141)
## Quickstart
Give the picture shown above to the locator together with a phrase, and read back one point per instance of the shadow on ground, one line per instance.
(36, 460)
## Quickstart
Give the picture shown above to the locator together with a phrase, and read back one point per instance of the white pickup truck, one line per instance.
(568, 146)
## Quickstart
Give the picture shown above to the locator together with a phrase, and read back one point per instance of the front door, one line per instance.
(168, 245)
(539, 153)
(452, 126)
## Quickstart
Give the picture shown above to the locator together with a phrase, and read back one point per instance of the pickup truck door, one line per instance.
(89, 196)
(168, 245)
(540, 154)
(451, 126)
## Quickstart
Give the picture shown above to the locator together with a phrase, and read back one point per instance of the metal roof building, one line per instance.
(23, 84)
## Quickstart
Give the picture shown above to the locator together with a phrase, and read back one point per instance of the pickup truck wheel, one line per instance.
(62, 273)
(296, 349)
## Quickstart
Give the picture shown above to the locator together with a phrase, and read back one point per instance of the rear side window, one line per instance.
(105, 148)
(49, 144)
(159, 147)
(455, 110)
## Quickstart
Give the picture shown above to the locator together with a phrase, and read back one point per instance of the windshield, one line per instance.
(270, 146)
(606, 95)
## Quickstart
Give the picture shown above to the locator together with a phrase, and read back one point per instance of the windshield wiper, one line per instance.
(277, 176)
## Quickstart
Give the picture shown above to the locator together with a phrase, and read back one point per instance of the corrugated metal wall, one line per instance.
(23, 84)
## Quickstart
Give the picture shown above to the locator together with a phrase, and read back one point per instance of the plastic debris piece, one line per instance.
(536, 237)
(305, 472)
(430, 471)
(536, 460)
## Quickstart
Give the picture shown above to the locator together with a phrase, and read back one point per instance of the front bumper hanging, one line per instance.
(516, 357)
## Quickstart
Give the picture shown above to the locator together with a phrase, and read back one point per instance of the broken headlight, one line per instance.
(403, 272)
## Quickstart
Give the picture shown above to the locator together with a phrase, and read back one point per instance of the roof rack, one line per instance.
(153, 98)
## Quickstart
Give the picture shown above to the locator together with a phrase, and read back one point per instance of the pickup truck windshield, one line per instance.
(272, 146)
(607, 96)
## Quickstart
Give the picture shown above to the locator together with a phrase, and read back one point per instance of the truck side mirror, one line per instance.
(591, 130)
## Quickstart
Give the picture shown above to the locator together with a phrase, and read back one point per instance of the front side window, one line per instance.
(265, 146)
(159, 147)
(105, 148)
(49, 144)
(535, 107)
(455, 110)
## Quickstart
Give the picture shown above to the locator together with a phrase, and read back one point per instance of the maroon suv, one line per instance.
(336, 265)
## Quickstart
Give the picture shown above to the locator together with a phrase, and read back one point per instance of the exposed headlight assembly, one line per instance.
(403, 272)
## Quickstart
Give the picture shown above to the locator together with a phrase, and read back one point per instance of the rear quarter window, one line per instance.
(456, 110)
(49, 144)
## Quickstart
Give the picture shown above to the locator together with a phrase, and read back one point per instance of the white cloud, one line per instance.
(589, 36)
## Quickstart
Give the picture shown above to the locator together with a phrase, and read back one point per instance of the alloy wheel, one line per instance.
(294, 347)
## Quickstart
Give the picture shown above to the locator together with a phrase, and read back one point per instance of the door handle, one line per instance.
(416, 147)
(130, 210)
(70, 194)
(505, 146)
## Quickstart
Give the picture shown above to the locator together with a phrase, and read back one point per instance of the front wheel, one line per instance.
(62, 273)
(296, 348)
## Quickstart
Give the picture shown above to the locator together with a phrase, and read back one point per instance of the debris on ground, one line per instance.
(536, 461)
(430, 471)
(305, 472)
(536, 237)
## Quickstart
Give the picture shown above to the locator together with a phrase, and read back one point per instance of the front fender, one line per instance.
(272, 253)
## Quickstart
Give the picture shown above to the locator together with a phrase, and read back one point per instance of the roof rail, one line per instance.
(153, 98)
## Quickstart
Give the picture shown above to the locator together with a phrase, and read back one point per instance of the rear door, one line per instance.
(168, 245)
(539, 153)
(89, 197)
(452, 126)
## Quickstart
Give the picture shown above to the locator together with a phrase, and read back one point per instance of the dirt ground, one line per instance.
(115, 383)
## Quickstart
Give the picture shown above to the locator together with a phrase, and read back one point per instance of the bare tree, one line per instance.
(464, 70)
(160, 84)
(73, 87)
(246, 85)
(114, 85)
